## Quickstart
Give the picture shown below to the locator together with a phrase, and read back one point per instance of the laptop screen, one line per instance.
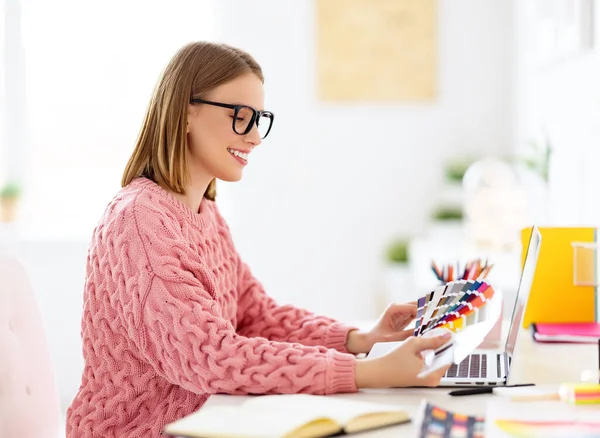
(525, 283)
(527, 274)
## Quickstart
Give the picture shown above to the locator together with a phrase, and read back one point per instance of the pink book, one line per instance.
(567, 332)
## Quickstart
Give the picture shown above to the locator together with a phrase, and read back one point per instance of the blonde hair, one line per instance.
(160, 150)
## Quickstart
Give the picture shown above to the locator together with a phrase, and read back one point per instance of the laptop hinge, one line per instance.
(505, 366)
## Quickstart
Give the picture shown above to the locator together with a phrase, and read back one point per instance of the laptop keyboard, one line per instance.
(473, 366)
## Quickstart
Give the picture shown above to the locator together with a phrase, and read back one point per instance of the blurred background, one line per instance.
(406, 131)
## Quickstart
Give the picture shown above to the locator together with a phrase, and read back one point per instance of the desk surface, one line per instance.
(532, 363)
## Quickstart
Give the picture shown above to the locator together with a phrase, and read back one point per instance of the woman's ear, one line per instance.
(191, 113)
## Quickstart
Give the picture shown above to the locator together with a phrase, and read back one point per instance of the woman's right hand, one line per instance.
(399, 367)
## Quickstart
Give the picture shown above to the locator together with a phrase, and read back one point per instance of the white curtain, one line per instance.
(90, 68)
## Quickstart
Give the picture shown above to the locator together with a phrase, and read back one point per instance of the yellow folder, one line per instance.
(554, 295)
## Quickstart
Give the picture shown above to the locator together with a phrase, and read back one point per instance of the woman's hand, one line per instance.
(399, 367)
(391, 326)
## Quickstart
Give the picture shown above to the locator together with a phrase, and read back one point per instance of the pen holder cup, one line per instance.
(585, 264)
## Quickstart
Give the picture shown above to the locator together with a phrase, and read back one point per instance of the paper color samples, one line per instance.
(436, 422)
(454, 306)
(549, 429)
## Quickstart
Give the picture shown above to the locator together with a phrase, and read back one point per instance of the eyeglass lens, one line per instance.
(245, 118)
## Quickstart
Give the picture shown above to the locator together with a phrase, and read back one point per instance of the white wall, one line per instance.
(332, 182)
(563, 95)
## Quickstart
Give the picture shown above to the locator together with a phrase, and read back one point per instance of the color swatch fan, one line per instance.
(454, 306)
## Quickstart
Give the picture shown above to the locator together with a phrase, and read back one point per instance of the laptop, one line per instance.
(493, 368)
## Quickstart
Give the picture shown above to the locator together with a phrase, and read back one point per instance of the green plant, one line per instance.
(10, 190)
(456, 168)
(397, 251)
(448, 214)
(538, 158)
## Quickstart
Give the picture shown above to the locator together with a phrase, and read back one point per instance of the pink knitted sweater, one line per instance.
(172, 315)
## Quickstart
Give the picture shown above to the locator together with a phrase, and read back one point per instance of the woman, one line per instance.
(172, 314)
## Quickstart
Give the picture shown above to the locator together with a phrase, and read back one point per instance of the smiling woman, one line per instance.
(187, 142)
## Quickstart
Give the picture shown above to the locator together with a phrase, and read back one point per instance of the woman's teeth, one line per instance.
(242, 155)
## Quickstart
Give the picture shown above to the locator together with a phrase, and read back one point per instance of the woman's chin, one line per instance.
(231, 176)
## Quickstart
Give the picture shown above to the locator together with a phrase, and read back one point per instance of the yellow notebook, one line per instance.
(554, 296)
(289, 416)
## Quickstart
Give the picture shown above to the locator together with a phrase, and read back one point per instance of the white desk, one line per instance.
(532, 363)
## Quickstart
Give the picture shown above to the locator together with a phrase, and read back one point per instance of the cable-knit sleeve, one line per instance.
(186, 340)
(260, 315)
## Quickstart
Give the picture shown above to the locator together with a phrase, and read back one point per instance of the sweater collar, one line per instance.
(201, 219)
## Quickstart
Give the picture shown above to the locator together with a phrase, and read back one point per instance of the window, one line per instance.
(89, 71)
(560, 65)
(2, 96)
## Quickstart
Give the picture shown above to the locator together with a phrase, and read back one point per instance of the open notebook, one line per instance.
(289, 416)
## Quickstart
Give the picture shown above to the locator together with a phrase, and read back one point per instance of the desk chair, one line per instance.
(29, 406)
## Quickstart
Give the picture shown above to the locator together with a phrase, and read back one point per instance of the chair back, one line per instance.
(29, 406)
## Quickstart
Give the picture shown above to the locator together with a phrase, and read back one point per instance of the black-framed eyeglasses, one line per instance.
(245, 117)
